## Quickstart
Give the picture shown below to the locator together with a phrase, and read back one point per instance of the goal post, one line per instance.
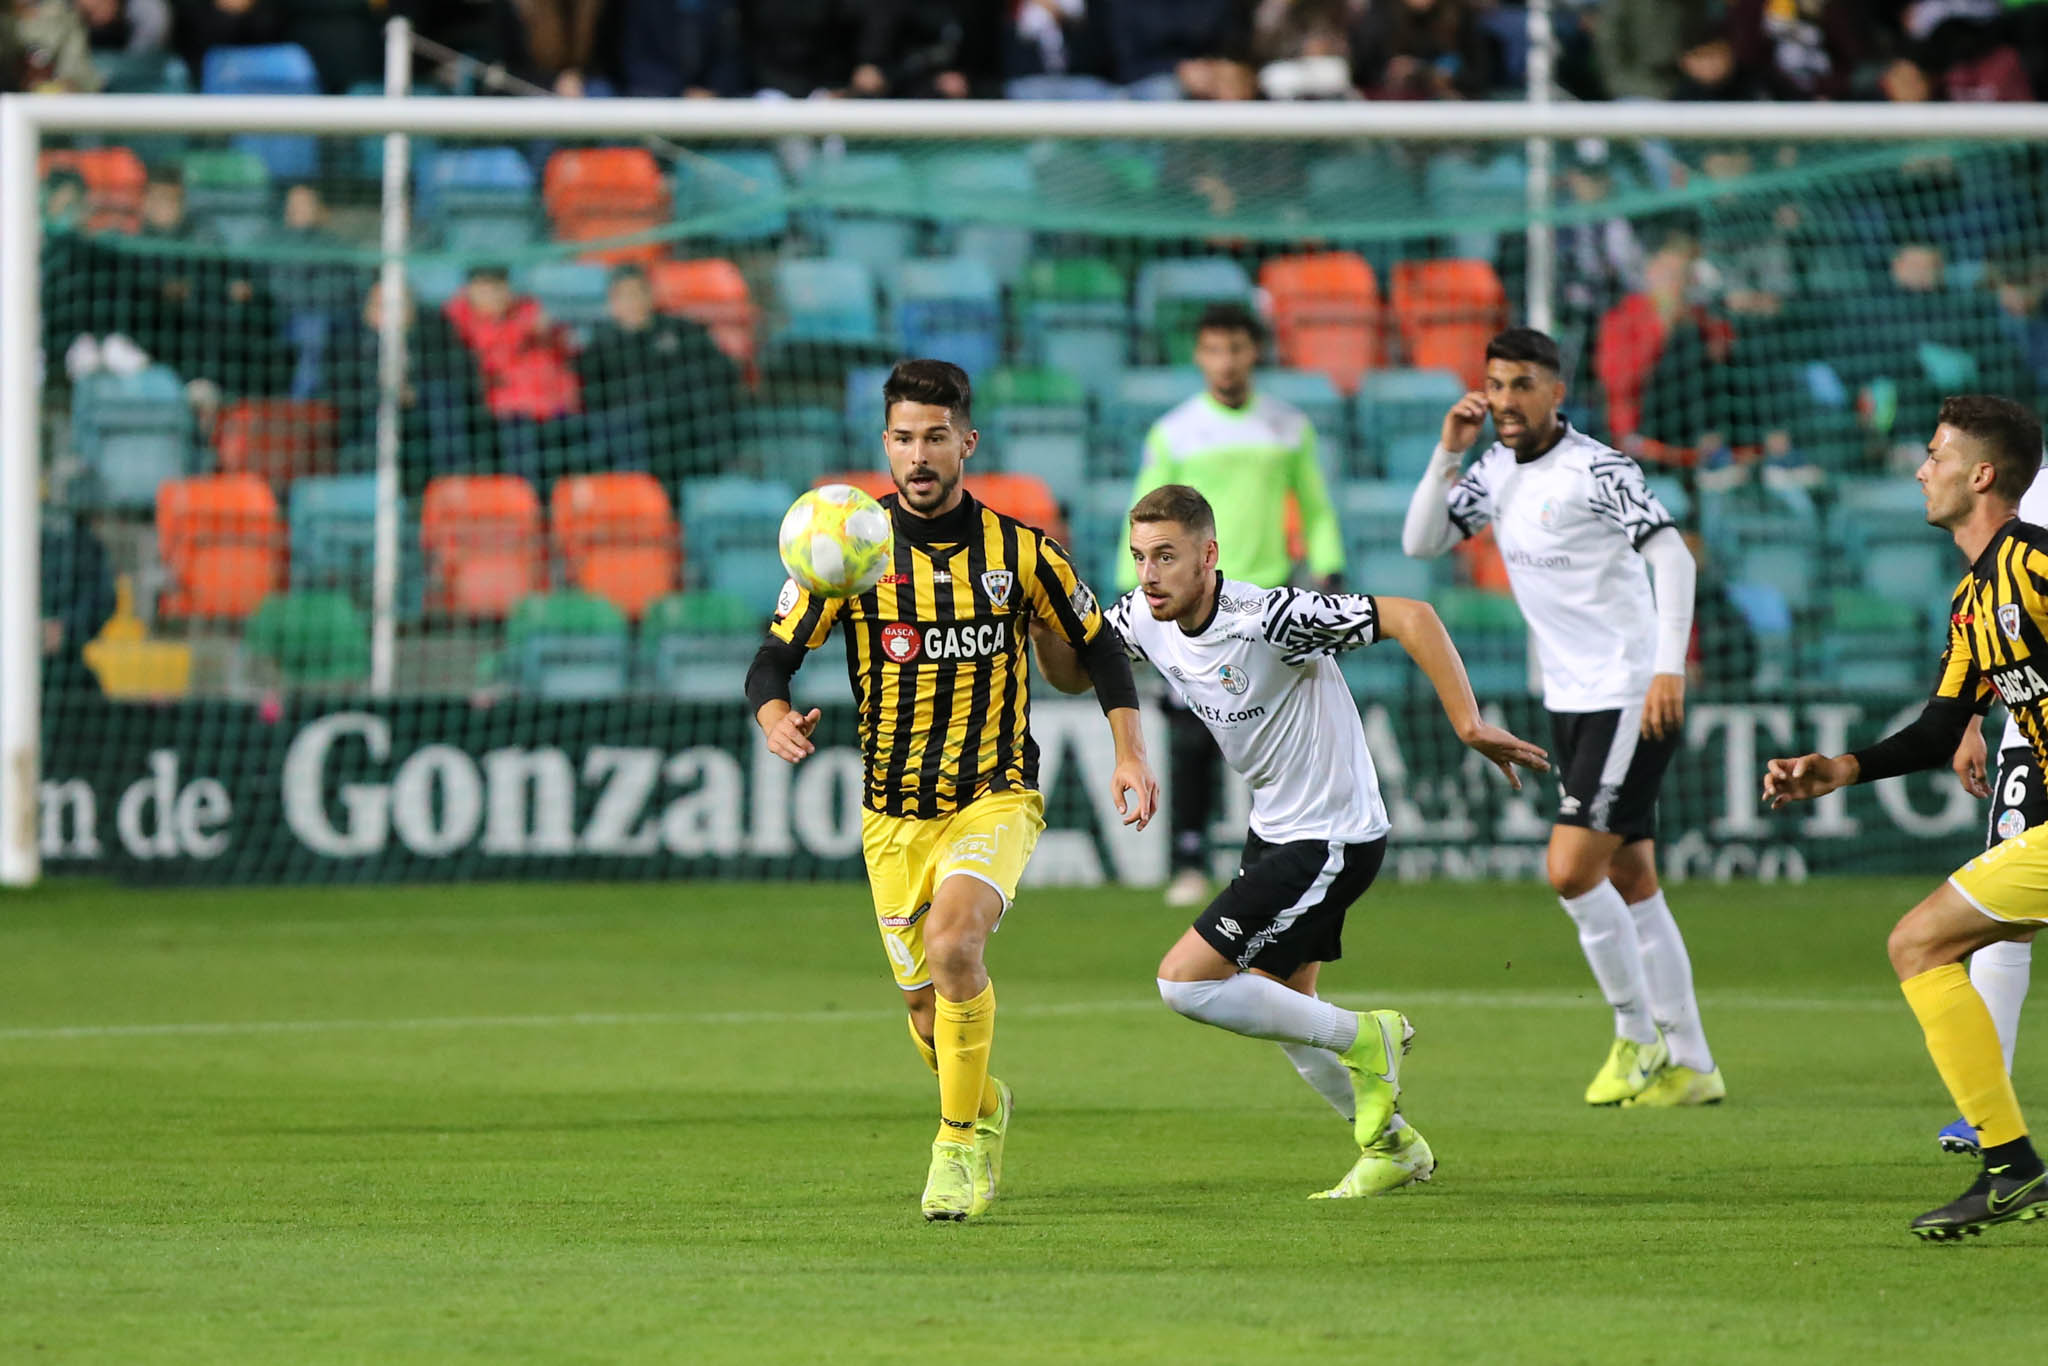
(1886, 136)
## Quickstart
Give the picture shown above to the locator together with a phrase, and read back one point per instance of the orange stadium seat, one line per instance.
(278, 439)
(616, 537)
(596, 193)
(483, 542)
(223, 543)
(1447, 311)
(113, 178)
(1326, 314)
(714, 293)
(1024, 496)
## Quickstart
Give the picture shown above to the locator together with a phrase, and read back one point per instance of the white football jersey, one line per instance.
(1262, 678)
(2033, 508)
(1569, 524)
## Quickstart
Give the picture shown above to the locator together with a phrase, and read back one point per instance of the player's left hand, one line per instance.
(1135, 792)
(1507, 749)
(1969, 762)
(1664, 705)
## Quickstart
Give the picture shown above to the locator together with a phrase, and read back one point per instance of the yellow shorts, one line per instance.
(989, 839)
(2009, 881)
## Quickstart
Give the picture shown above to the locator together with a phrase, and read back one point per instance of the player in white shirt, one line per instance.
(1256, 665)
(1581, 535)
(2000, 971)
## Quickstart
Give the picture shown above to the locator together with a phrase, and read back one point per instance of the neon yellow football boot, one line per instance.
(1628, 1071)
(949, 1187)
(988, 1150)
(1374, 1062)
(1396, 1159)
(1676, 1086)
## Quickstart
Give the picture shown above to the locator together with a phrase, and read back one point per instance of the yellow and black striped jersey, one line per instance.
(936, 654)
(1998, 632)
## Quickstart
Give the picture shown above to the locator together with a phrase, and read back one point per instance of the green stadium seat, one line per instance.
(310, 638)
(1076, 319)
(1035, 422)
(1491, 636)
(565, 646)
(1171, 296)
(694, 644)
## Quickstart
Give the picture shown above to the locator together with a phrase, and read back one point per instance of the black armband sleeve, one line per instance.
(1929, 740)
(775, 663)
(1110, 670)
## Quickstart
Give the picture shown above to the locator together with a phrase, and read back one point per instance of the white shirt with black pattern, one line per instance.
(1570, 525)
(1262, 677)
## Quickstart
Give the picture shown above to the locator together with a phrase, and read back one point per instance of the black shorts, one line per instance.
(1609, 771)
(2019, 799)
(1286, 905)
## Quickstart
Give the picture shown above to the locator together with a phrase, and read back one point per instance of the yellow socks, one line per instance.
(990, 1100)
(1964, 1045)
(961, 1038)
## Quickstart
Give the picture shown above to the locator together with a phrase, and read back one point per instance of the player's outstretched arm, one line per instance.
(1428, 529)
(788, 730)
(1969, 761)
(1927, 741)
(1807, 777)
(1421, 633)
(1058, 661)
(1131, 786)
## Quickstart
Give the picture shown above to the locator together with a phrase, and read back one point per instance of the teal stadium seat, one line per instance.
(951, 308)
(333, 522)
(1398, 416)
(572, 292)
(741, 194)
(1141, 398)
(273, 69)
(1171, 296)
(828, 300)
(133, 433)
(1035, 422)
(1316, 395)
(566, 647)
(860, 199)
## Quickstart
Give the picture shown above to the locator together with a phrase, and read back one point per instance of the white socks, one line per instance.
(1607, 933)
(1667, 973)
(1261, 1008)
(1999, 972)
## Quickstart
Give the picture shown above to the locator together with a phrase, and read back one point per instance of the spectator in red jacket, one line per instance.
(529, 373)
(1656, 351)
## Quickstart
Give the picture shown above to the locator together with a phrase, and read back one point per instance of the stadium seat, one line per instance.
(310, 638)
(1446, 312)
(950, 308)
(433, 283)
(482, 538)
(728, 512)
(1491, 192)
(1793, 568)
(1171, 296)
(277, 439)
(227, 196)
(113, 176)
(692, 644)
(862, 412)
(750, 574)
(876, 483)
(1142, 397)
(1360, 186)
(222, 544)
(1395, 411)
(1035, 422)
(572, 292)
(141, 73)
(1490, 634)
(1922, 569)
(795, 443)
(1316, 395)
(712, 292)
(599, 193)
(1326, 314)
(862, 200)
(566, 646)
(480, 197)
(1876, 642)
(275, 69)
(333, 523)
(1371, 512)
(1388, 571)
(1024, 496)
(132, 432)
(828, 300)
(997, 187)
(1076, 319)
(713, 184)
(616, 536)
(1880, 507)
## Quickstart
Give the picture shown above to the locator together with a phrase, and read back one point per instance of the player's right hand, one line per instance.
(1507, 749)
(1463, 421)
(790, 738)
(1969, 762)
(1801, 779)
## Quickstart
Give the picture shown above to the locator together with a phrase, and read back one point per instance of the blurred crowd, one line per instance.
(1899, 50)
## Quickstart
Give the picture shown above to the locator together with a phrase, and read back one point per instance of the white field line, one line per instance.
(1462, 1000)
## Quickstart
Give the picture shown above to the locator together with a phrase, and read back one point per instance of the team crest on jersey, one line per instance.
(997, 583)
(1083, 600)
(786, 599)
(1547, 514)
(2009, 619)
(2010, 823)
(1235, 680)
(899, 641)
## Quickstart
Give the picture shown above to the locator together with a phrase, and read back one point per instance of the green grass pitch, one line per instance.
(682, 1124)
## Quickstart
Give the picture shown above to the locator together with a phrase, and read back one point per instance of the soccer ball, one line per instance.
(836, 541)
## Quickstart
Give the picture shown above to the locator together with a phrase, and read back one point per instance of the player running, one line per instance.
(936, 653)
(1582, 535)
(2000, 971)
(1984, 453)
(1256, 665)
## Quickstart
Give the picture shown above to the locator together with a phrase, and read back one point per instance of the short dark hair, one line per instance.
(2011, 435)
(1177, 503)
(165, 173)
(1526, 346)
(626, 270)
(925, 380)
(1228, 315)
(488, 272)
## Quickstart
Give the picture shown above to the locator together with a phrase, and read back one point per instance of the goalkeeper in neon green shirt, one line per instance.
(1245, 452)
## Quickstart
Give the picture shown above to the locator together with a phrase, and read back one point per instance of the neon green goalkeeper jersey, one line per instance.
(1246, 461)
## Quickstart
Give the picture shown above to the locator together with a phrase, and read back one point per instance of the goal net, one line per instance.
(329, 592)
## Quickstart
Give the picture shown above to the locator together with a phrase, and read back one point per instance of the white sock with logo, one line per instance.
(1607, 934)
(1320, 1068)
(1999, 972)
(1261, 1008)
(1667, 972)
